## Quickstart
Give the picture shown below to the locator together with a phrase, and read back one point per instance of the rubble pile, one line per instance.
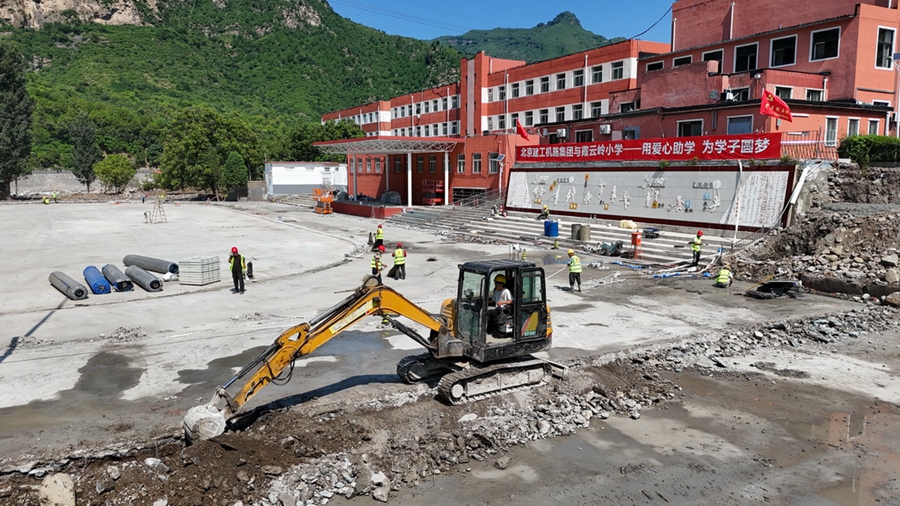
(125, 334)
(850, 235)
(859, 250)
(872, 186)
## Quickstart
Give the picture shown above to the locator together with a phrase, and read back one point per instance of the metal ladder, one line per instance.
(159, 213)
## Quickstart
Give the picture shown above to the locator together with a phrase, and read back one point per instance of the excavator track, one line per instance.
(479, 382)
(405, 365)
(418, 368)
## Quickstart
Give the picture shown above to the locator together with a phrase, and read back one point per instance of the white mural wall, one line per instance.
(754, 199)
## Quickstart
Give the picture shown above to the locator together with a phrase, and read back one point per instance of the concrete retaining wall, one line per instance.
(46, 181)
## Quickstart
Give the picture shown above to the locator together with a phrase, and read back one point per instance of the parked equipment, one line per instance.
(472, 359)
(323, 198)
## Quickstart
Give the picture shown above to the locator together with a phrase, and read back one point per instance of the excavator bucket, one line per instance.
(203, 422)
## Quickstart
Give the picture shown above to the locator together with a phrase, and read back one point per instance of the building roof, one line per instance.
(383, 145)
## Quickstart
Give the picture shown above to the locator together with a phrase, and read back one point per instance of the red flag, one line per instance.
(773, 106)
(521, 130)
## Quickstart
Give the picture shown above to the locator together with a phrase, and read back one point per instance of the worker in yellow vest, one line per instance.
(377, 264)
(379, 238)
(695, 244)
(724, 278)
(574, 270)
(399, 269)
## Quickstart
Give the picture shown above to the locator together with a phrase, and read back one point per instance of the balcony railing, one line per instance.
(808, 145)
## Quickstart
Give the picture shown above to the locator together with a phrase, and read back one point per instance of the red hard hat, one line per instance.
(699, 232)
(234, 249)
(399, 245)
(379, 225)
(381, 249)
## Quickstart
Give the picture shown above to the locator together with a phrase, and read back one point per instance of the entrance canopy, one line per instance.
(394, 146)
(387, 145)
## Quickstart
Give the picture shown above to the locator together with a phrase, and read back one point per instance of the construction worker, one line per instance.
(379, 238)
(724, 278)
(399, 269)
(238, 265)
(695, 245)
(574, 270)
(55, 197)
(555, 244)
(545, 214)
(501, 298)
(377, 265)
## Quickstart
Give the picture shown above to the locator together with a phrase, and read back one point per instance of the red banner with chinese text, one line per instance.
(722, 147)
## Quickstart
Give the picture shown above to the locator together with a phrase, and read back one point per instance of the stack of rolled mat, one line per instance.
(151, 264)
(95, 280)
(117, 278)
(68, 286)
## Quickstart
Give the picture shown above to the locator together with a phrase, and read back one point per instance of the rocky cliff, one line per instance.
(36, 13)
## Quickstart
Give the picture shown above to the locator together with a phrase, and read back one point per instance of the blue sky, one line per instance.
(427, 19)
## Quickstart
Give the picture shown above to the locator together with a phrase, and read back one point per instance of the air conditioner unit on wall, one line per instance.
(606, 129)
(561, 133)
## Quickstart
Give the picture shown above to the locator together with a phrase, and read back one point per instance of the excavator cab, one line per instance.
(493, 333)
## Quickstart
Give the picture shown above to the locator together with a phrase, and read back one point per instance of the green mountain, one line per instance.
(564, 35)
(273, 63)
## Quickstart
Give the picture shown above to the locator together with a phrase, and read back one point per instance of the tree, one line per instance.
(299, 144)
(115, 171)
(196, 145)
(235, 173)
(85, 152)
(16, 108)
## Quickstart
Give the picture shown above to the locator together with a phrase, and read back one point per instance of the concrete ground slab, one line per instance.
(68, 376)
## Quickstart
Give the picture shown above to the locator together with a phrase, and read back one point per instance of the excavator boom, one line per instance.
(371, 298)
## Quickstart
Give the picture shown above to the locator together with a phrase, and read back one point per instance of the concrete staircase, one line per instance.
(522, 229)
(305, 201)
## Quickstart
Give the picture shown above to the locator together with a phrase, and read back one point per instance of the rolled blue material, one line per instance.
(95, 280)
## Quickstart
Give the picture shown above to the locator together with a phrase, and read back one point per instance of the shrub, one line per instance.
(868, 149)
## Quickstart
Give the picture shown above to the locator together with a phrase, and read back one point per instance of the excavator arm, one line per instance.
(371, 298)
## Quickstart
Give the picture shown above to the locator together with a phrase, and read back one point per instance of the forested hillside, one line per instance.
(255, 60)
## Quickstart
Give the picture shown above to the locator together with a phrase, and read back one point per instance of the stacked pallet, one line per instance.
(199, 271)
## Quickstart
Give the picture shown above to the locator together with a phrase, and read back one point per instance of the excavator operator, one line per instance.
(498, 314)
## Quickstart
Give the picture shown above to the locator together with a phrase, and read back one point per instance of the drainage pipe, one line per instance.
(151, 264)
(144, 279)
(95, 280)
(68, 286)
(117, 278)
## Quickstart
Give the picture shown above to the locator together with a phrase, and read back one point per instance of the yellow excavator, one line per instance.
(476, 348)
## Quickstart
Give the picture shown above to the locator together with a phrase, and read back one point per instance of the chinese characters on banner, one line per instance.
(723, 147)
